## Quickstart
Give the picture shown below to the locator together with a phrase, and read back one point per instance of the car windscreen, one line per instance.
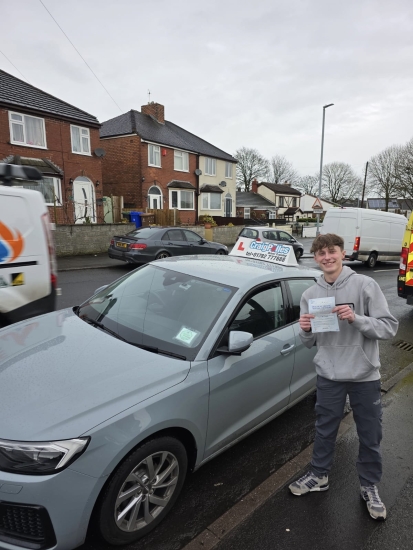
(159, 308)
(143, 233)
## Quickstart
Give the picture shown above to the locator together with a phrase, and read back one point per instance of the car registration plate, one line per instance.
(122, 245)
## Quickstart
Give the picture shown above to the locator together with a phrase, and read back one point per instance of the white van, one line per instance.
(27, 258)
(369, 235)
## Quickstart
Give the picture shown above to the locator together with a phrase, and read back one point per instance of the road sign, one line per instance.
(318, 211)
(317, 204)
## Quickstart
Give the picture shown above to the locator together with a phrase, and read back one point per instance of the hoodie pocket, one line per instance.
(343, 363)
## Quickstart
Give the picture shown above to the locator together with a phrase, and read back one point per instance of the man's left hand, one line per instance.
(344, 313)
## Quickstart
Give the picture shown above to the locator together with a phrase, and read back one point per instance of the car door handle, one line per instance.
(287, 348)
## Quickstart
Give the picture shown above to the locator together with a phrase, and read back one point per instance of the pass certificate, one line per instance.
(324, 320)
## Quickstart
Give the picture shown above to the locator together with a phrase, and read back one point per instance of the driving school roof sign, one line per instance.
(266, 251)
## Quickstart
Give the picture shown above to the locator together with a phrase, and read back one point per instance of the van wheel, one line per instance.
(142, 491)
(372, 260)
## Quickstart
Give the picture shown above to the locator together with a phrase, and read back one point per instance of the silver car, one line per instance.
(271, 234)
(106, 407)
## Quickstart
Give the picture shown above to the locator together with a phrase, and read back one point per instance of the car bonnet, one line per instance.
(60, 377)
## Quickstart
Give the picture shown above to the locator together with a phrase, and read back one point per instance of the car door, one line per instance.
(246, 390)
(195, 243)
(175, 243)
(304, 375)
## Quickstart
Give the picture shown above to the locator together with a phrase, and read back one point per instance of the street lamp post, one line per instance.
(321, 163)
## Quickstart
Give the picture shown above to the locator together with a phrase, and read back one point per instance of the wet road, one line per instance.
(218, 485)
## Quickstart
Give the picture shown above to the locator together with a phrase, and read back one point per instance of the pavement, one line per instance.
(99, 261)
(271, 518)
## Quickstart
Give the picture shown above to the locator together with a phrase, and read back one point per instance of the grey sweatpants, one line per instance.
(365, 400)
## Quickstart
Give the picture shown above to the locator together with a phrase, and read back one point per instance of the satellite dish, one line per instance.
(198, 172)
(99, 152)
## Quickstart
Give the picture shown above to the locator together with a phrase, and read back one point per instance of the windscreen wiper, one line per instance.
(152, 349)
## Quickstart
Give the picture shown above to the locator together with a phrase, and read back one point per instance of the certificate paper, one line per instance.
(324, 320)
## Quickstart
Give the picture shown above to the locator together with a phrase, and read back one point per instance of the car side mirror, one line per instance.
(202, 241)
(99, 289)
(238, 341)
(292, 240)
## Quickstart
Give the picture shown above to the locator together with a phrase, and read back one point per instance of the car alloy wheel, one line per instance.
(162, 255)
(142, 491)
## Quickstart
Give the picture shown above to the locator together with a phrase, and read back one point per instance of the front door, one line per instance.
(84, 200)
(248, 389)
(228, 207)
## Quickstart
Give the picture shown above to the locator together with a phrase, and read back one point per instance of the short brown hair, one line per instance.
(326, 241)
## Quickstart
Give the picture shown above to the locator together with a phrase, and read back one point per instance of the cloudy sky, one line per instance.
(236, 73)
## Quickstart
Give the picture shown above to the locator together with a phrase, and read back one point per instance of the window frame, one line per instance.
(183, 155)
(57, 187)
(22, 123)
(179, 191)
(228, 165)
(281, 200)
(82, 152)
(157, 149)
(213, 166)
(290, 312)
(249, 212)
(209, 207)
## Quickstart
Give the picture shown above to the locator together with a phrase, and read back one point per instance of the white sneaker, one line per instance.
(376, 508)
(308, 484)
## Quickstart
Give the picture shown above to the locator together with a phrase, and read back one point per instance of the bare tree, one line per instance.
(251, 165)
(281, 171)
(340, 182)
(404, 173)
(308, 184)
(383, 173)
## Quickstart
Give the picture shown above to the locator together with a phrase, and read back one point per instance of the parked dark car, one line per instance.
(271, 234)
(153, 243)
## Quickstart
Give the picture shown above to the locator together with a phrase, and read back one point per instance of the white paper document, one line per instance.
(324, 320)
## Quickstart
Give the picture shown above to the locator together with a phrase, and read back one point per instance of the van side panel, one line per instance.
(342, 222)
(25, 279)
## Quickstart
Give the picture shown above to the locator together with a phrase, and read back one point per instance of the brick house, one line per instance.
(154, 164)
(285, 198)
(40, 130)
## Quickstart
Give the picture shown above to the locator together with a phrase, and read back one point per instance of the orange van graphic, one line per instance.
(11, 244)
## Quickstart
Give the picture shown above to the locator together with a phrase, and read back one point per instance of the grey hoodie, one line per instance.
(353, 353)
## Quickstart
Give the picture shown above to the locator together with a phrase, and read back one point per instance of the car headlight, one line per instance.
(40, 458)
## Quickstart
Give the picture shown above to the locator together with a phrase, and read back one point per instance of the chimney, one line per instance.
(156, 110)
(287, 183)
(254, 187)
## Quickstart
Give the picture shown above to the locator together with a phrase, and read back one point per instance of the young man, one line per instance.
(347, 362)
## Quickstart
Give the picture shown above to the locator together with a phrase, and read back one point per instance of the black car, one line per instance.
(153, 243)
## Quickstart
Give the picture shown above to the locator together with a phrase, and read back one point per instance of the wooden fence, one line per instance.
(165, 217)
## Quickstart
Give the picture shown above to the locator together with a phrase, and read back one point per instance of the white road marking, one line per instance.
(393, 269)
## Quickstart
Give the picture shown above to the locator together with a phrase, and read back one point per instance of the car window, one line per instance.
(262, 313)
(297, 287)
(191, 236)
(173, 235)
(142, 233)
(270, 235)
(161, 308)
(283, 236)
(249, 233)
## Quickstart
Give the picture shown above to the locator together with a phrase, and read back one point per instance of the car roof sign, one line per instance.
(276, 253)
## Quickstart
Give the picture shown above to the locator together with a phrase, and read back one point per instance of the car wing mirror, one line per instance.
(238, 341)
(100, 289)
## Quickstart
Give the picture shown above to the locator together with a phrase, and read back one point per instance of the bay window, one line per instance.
(181, 199)
(49, 187)
(211, 201)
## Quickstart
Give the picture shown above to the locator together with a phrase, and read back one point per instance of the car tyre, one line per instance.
(220, 252)
(298, 254)
(372, 260)
(142, 491)
(162, 255)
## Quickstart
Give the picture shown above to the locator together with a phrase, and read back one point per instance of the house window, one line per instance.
(80, 140)
(228, 170)
(281, 202)
(294, 202)
(211, 201)
(247, 213)
(154, 155)
(181, 161)
(271, 215)
(210, 166)
(183, 200)
(50, 188)
(27, 130)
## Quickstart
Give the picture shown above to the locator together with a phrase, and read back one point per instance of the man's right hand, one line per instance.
(305, 323)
